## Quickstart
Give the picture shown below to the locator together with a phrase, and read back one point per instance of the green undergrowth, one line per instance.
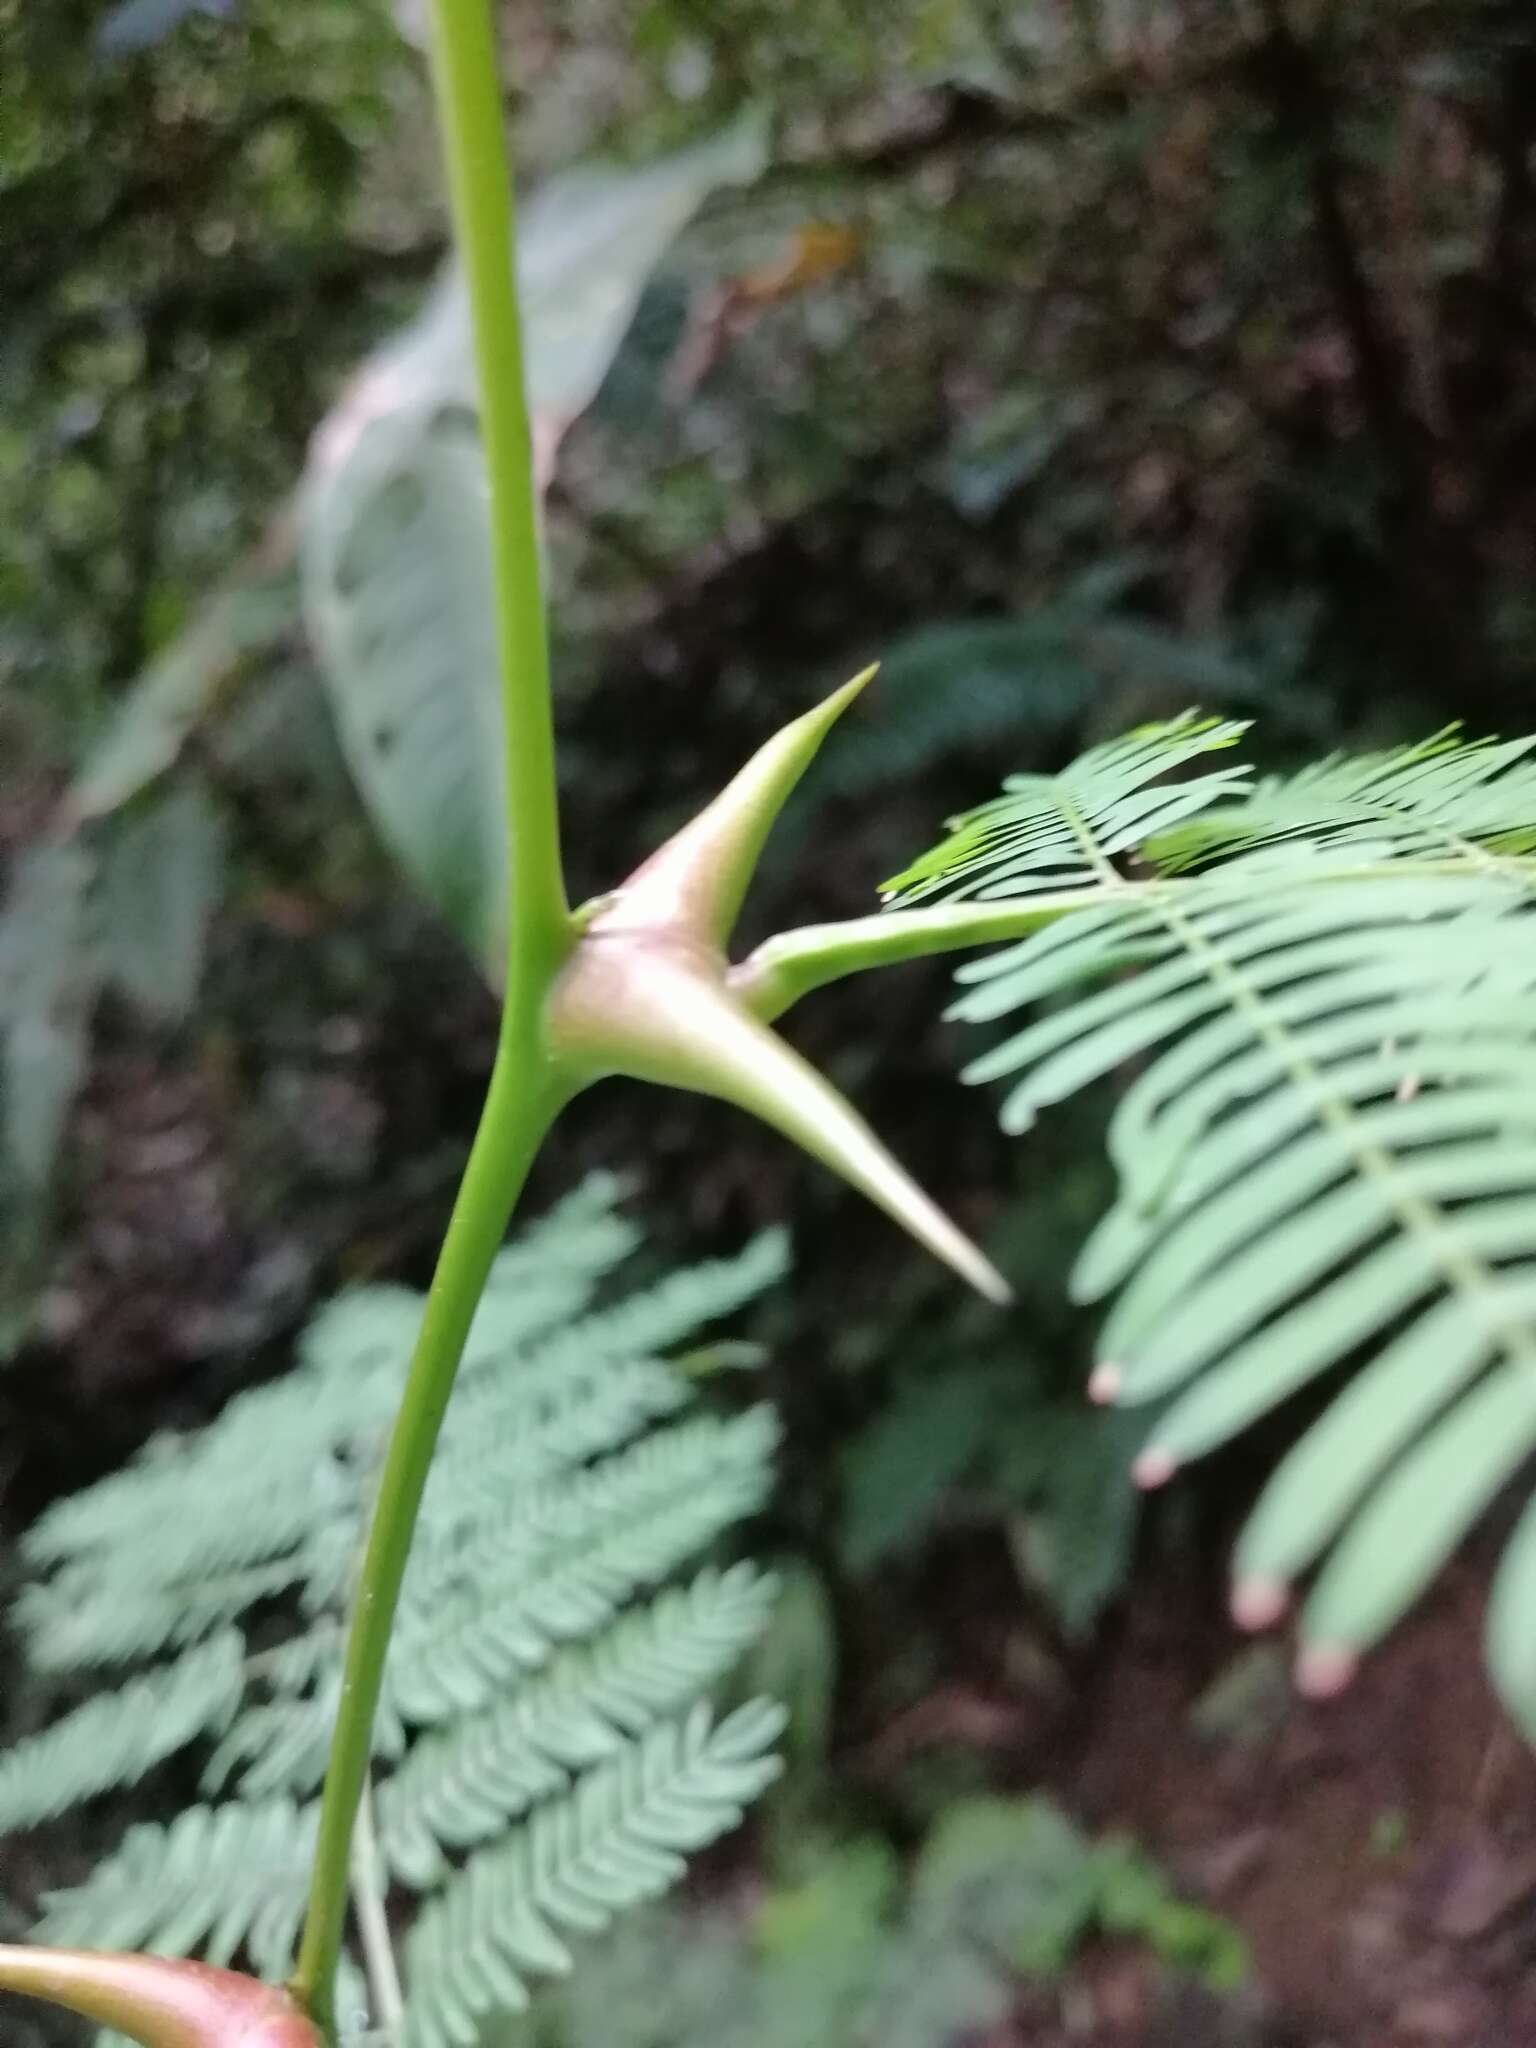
(847, 1951)
(549, 1748)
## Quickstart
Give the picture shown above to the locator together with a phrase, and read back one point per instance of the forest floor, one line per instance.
(1377, 1852)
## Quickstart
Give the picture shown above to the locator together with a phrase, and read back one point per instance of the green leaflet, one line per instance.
(619, 1838)
(1511, 1639)
(117, 1737)
(163, 877)
(1319, 1008)
(1319, 1482)
(461, 1785)
(216, 1881)
(559, 1639)
(1427, 1502)
(1439, 797)
(1049, 831)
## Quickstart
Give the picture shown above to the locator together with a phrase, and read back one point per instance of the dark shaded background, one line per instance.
(1082, 361)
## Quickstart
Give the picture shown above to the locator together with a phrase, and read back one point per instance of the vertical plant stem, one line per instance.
(512, 1127)
(525, 1093)
(465, 76)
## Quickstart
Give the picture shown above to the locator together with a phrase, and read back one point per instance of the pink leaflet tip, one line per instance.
(1259, 1603)
(1104, 1384)
(1154, 1468)
(1324, 1670)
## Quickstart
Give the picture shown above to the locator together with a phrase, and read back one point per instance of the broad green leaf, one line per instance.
(176, 693)
(162, 879)
(47, 987)
(48, 976)
(393, 526)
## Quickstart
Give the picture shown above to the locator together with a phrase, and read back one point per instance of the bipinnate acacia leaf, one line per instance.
(1315, 997)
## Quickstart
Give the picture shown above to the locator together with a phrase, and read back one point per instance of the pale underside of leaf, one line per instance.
(394, 537)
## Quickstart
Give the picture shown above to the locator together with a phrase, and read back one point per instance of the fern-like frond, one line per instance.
(114, 1738)
(506, 1436)
(478, 1614)
(84, 1618)
(1064, 831)
(218, 1881)
(652, 1319)
(197, 1528)
(461, 1786)
(584, 1388)
(1326, 1147)
(564, 1486)
(618, 1838)
(353, 1356)
(546, 1524)
(1467, 802)
(577, 1245)
(282, 1744)
(245, 1456)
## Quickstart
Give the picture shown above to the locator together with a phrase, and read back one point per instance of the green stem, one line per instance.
(525, 1092)
(783, 969)
(465, 76)
(774, 977)
(511, 1130)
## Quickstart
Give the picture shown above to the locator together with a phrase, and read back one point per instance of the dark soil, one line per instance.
(1378, 1852)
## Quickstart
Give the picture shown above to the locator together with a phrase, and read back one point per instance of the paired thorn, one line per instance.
(646, 992)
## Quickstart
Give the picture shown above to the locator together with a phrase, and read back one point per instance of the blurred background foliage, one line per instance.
(1080, 359)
